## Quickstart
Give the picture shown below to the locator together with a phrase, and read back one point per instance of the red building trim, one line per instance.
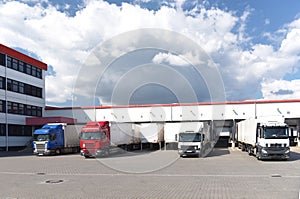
(36, 121)
(20, 56)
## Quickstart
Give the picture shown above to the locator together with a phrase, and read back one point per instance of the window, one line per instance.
(21, 66)
(2, 82)
(33, 71)
(33, 111)
(2, 59)
(33, 91)
(39, 112)
(9, 84)
(15, 108)
(15, 64)
(39, 73)
(9, 107)
(28, 69)
(21, 88)
(2, 130)
(2, 106)
(8, 62)
(15, 86)
(28, 110)
(21, 110)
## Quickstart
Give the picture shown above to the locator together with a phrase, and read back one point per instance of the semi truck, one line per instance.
(266, 138)
(56, 138)
(193, 139)
(103, 138)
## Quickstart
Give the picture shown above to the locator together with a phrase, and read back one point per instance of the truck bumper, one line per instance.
(267, 153)
(45, 152)
(189, 152)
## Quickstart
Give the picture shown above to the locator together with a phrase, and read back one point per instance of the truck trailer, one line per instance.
(266, 138)
(151, 134)
(103, 138)
(56, 138)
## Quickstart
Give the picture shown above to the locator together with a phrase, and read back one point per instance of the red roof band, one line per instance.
(45, 120)
(20, 56)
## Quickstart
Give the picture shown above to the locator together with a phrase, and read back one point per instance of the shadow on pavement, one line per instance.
(13, 153)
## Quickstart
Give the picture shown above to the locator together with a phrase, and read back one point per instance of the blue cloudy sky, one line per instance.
(255, 44)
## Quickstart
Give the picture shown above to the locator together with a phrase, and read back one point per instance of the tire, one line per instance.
(249, 151)
(57, 152)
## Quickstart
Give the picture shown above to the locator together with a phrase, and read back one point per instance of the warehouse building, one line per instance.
(22, 94)
(22, 107)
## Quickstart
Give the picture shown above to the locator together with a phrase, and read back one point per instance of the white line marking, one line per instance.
(145, 175)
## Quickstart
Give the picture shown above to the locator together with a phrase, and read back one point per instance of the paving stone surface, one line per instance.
(224, 173)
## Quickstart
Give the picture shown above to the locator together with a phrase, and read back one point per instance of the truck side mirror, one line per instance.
(176, 137)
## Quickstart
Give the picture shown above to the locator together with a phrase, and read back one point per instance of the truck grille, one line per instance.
(188, 147)
(89, 145)
(40, 146)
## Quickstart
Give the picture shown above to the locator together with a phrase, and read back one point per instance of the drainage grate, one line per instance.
(276, 175)
(41, 173)
(54, 181)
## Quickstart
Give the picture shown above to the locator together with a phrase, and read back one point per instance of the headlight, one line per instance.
(83, 145)
(287, 151)
(195, 147)
(264, 151)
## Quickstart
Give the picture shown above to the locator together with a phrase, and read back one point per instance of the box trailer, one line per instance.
(266, 138)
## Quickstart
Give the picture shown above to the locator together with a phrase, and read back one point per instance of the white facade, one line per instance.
(22, 94)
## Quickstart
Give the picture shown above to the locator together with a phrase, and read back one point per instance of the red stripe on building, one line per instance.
(36, 121)
(20, 56)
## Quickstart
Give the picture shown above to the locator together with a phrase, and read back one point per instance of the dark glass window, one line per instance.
(21, 88)
(9, 84)
(15, 64)
(28, 110)
(15, 108)
(9, 107)
(2, 82)
(39, 73)
(2, 130)
(9, 62)
(33, 71)
(21, 66)
(28, 69)
(21, 110)
(2, 59)
(2, 106)
(28, 130)
(15, 86)
(39, 112)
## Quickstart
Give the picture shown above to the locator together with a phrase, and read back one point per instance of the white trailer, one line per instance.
(124, 135)
(121, 133)
(151, 134)
(266, 138)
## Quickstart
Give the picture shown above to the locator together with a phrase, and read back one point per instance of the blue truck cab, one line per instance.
(49, 139)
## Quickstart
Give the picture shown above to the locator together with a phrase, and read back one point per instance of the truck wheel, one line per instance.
(258, 156)
(249, 151)
(57, 151)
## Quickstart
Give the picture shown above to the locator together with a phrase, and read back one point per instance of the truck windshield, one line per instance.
(93, 135)
(275, 132)
(41, 137)
(189, 137)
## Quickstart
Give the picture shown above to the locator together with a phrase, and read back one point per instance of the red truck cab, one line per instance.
(95, 139)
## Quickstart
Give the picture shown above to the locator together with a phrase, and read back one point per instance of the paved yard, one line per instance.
(225, 173)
